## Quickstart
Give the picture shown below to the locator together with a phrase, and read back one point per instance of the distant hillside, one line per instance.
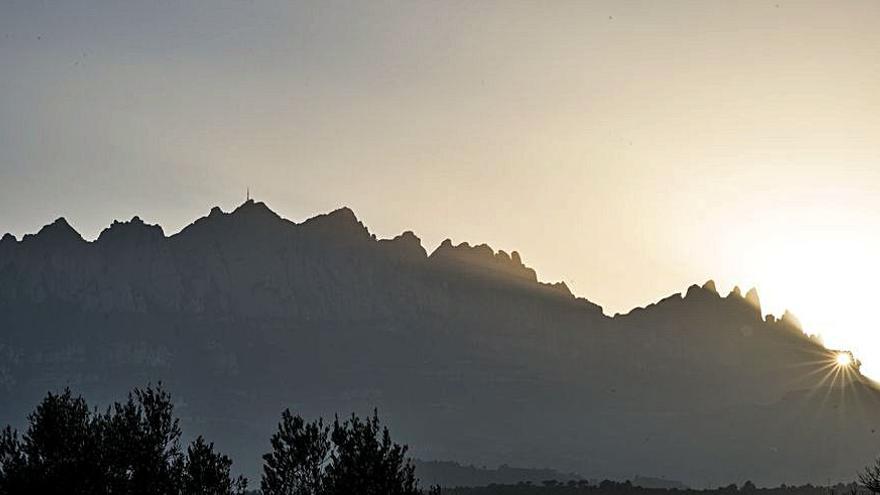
(627, 488)
(659, 483)
(452, 474)
(463, 351)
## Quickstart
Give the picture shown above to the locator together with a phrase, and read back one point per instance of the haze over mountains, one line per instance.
(464, 352)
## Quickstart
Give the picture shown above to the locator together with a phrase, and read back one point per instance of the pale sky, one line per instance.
(627, 148)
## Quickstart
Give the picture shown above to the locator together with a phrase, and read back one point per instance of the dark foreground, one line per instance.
(612, 488)
(135, 448)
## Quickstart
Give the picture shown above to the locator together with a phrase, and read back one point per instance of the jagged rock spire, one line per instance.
(57, 232)
(134, 231)
(483, 257)
(407, 246)
(753, 299)
(790, 319)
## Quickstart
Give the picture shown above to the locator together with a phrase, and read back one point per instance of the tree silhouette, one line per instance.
(13, 462)
(132, 448)
(61, 443)
(366, 461)
(142, 444)
(356, 456)
(870, 479)
(300, 452)
(208, 473)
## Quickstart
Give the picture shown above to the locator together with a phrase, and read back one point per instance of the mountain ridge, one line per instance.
(469, 355)
(337, 222)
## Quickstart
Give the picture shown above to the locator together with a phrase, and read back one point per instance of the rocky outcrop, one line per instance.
(753, 299)
(790, 320)
(482, 261)
(132, 234)
(405, 247)
(58, 234)
(340, 225)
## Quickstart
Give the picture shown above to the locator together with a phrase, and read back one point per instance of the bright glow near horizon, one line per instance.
(629, 149)
(818, 261)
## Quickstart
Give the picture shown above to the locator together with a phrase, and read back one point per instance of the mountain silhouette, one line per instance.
(464, 351)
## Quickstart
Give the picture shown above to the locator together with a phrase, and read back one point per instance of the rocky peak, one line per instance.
(406, 246)
(57, 233)
(736, 292)
(8, 245)
(560, 287)
(706, 291)
(254, 216)
(253, 210)
(753, 299)
(789, 319)
(133, 232)
(514, 257)
(482, 258)
(408, 237)
(693, 291)
(251, 218)
(340, 224)
(344, 214)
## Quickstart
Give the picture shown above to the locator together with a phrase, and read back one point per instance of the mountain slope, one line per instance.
(463, 351)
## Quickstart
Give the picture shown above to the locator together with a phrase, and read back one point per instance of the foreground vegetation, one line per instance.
(134, 448)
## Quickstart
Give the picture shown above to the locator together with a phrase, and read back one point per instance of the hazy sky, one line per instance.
(627, 148)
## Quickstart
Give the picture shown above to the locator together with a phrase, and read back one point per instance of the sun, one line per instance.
(843, 360)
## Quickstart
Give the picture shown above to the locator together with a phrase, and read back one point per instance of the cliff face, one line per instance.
(464, 351)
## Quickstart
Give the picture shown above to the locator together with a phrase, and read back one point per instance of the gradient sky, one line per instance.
(627, 148)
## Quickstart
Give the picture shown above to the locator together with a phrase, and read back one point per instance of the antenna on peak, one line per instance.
(248, 195)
